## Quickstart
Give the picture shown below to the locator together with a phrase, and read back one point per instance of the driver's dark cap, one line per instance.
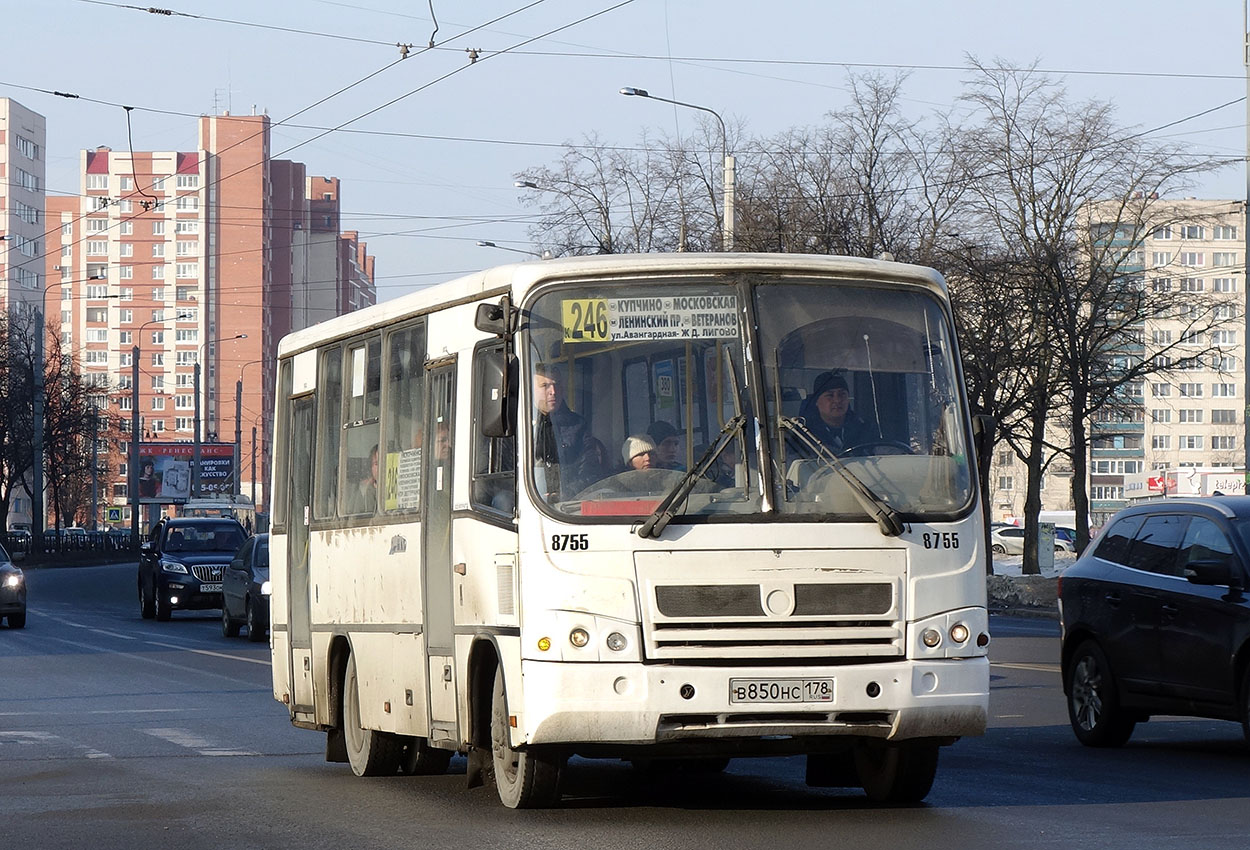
(827, 381)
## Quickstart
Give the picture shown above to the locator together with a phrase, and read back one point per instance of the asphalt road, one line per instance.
(118, 732)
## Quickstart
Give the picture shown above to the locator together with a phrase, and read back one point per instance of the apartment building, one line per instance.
(186, 257)
(1188, 413)
(23, 159)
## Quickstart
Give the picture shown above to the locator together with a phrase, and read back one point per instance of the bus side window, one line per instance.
(329, 401)
(405, 374)
(362, 405)
(494, 458)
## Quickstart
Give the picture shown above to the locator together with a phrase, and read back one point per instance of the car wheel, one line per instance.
(370, 753)
(420, 759)
(255, 621)
(160, 604)
(525, 779)
(147, 606)
(896, 773)
(1093, 701)
(17, 621)
(229, 628)
(999, 549)
(1245, 705)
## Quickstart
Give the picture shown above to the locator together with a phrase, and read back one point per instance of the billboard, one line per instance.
(165, 471)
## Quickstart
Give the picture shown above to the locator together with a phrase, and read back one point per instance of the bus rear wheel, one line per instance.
(525, 779)
(896, 773)
(420, 759)
(369, 752)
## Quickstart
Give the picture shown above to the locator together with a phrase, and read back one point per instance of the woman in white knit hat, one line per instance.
(638, 452)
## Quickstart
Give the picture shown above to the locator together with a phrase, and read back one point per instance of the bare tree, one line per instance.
(17, 401)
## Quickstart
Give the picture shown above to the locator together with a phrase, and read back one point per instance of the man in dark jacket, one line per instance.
(828, 414)
(560, 438)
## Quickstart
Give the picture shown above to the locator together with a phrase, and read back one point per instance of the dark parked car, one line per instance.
(245, 590)
(12, 592)
(182, 563)
(1156, 619)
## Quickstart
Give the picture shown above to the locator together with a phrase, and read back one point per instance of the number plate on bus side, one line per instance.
(780, 690)
(210, 588)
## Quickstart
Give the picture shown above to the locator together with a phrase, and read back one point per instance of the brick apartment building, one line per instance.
(182, 252)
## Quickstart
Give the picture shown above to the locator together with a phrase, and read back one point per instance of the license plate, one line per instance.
(780, 690)
(215, 587)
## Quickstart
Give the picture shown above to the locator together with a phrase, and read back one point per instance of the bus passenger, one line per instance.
(559, 437)
(638, 452)
(828, 414)
(667, 441)
(365, 496)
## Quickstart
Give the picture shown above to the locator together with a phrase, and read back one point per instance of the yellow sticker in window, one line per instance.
(585, 320)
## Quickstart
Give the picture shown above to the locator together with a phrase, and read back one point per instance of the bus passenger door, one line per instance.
(300, 513)
(436, 552)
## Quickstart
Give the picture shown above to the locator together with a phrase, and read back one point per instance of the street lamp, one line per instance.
(545, 255)
(727, 238)
(195, 464)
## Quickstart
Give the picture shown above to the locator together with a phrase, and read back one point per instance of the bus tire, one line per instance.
(369, 752)
(896, 773)
(524, 779)
(420, 759)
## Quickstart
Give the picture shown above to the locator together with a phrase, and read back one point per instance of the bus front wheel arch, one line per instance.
(525, 778)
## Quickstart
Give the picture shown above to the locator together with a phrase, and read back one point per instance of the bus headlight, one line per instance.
(959, 633)
(931, 637)
(579, 637)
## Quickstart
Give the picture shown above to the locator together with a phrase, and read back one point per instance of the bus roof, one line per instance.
(519, 278)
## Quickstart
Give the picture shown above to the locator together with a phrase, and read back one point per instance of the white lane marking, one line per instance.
(264, 661)
(191, 741)
(100, 711)
(113, 634)
(1037, 668)
(21, 738)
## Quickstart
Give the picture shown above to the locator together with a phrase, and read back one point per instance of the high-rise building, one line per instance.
(23, 142)
(192, 257)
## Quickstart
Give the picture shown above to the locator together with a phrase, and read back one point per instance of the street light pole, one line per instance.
(238, 432)
(195, 463)
(727, 179)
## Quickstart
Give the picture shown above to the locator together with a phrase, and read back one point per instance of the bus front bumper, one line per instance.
(635, 704)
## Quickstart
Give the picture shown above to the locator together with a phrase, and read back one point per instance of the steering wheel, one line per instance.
(862, 449)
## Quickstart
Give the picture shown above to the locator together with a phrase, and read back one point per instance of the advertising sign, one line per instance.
(165, 471)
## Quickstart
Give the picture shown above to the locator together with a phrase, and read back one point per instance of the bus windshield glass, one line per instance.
(858, 385)
(632, 386)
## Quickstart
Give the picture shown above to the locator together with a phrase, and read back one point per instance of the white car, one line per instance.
(1009, 540)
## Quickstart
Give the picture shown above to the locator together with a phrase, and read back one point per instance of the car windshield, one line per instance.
(222, 537)
(631, 386)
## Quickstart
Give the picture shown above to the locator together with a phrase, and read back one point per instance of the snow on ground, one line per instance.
(1010, 565)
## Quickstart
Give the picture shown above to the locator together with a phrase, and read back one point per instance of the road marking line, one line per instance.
(191, 741)
(264, 661)
(1039, 668)
(113, 634)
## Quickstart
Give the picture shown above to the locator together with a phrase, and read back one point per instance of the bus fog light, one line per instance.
(579, 638)
(544, 644)
(930, 637)
(959, 633)
(616, 642)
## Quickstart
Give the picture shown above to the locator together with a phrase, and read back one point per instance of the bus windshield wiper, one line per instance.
(663, 513)
(876, 507)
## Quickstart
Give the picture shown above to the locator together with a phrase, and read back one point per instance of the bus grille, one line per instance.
(846, 621)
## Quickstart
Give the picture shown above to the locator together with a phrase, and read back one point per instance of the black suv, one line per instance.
(1156, 619)
(181, 564)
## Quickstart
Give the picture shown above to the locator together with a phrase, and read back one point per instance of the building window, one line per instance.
(1224, 258)
(1221, 416)
(1159, 259)
(1161, 441)
(187, 249)
(1224, 363)
(97, 225)
(1191, 390)
(95, 358)
(1161, 284)
(94, 246)
(1223, 231)
(158, 402)
(1160, 390)
(127, 228)
(186, 271)
(187, 335)
(1224, 284)
(98, 181)
(97, 335)
(1192, 284)
(158, 382)
(128, 249)
(1006, 482)
(186, 226)
(1192, 231)
(97, 314)
(1224, 443)
(184, 293)
(126, 402)
(1193, 259)
(158, 315)
(1190, 442)
(25, 146)
(158, 271)
(183, 423)
(1224, 337)
(158, 358)
(184, 402)
(187, 181)
(158, 425)
(187, 202)
(158, 293)
(1189, 416)
(158, 228)
(158, 249)
(126, 337)
(158, 337)
(126, 316)
(1221, 390)
(158, 183)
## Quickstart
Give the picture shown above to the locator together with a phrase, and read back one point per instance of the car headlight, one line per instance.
(173, 567)
(13, 580)
(265, 588)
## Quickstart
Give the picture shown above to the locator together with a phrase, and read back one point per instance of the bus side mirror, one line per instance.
(494, 318)
(983, 437)
(492, 401)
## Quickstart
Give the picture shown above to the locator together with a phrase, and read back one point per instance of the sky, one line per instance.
(429, 146)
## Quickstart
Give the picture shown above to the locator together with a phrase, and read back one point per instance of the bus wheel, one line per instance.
(896, 773)
(370, 753)
(420, 759)
(525, 779)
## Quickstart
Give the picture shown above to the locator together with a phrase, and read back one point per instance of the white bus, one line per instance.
(636, 533)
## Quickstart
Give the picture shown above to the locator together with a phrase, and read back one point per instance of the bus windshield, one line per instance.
(632, 386)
